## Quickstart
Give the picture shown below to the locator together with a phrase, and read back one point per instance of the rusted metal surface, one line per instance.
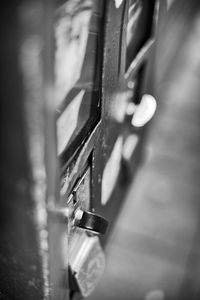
(75, 71)
(119, 86)
(23, 238)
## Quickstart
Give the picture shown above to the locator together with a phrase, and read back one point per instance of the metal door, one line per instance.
(82, 70)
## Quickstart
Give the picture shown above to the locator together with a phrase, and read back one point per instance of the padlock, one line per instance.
(86, 256)
(87, 264)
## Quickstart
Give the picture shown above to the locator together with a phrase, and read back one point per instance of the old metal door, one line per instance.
(103, 58)
(82, 72)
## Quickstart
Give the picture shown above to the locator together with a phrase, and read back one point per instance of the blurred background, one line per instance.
(154, 250)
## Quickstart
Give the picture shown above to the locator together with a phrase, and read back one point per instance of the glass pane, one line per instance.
(139, 26)
(71, 36)
(77, 28)
(72, 120)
